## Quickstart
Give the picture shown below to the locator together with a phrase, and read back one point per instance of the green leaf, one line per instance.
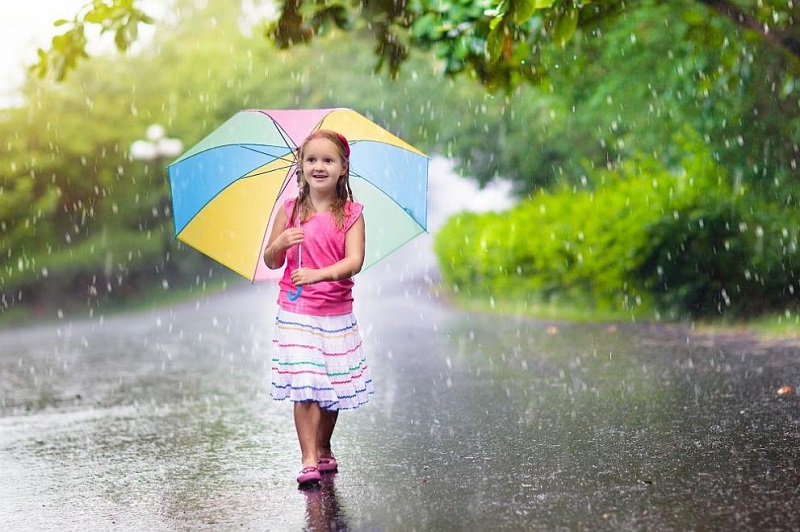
(121, 39)
(565, 27)
(495, 22)
(495, 42)
(522, 10)
(461, 48)
(425, 27)
(503, 8)
(98, 15)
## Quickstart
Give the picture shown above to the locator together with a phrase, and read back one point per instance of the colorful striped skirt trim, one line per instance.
(319, 358)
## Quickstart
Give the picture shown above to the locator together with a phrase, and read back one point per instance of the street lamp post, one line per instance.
(157, 147)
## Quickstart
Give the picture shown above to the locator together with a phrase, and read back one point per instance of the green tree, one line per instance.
(87, 222)
(627, 91)
(498, 42)
(609, 76)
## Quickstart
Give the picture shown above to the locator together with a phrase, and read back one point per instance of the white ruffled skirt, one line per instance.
(319, 358)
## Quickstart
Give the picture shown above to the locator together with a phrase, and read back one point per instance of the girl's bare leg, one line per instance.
(327, 423)
(307, 422)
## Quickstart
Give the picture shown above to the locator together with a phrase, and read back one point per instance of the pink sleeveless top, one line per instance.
(323, 245)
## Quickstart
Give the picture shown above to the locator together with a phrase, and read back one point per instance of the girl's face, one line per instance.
(322, 165)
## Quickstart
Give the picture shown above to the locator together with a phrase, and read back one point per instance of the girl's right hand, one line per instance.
(280, 239)
(290, 237)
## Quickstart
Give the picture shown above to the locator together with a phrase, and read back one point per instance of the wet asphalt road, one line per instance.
(162, 421)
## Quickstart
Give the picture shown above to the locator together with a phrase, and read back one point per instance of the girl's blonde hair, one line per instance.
(303, 209)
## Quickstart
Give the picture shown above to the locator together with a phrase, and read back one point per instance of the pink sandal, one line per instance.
(308, 475)
(327, 464)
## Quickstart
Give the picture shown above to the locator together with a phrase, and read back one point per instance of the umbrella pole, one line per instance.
(293, 295)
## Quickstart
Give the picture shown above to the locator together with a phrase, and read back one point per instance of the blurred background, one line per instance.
(647, 164)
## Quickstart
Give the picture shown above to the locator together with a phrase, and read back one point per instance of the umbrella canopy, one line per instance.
(227, 189)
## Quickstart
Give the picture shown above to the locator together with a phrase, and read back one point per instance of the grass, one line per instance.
(778, 325)
(775, 326)
(524, 304)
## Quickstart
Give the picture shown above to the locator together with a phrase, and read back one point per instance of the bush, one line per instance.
(723, 259)
(644, 239)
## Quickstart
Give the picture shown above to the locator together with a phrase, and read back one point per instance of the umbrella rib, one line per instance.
(281, 158)
(413, 151)
(292, 161)
(282, 132)
(238, 145)
(423, 225)
(253, 174)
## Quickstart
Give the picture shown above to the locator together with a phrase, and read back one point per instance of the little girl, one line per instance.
(318, 361)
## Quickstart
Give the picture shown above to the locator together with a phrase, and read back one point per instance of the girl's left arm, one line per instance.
(354, 247)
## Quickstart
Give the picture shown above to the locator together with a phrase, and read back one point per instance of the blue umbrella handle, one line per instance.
(292, 295)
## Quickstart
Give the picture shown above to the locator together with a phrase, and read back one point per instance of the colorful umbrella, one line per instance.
(227, 189)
